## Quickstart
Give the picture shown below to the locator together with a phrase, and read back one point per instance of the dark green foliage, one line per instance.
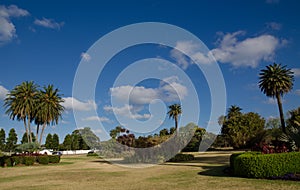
(92, 154)
(48, 143)
(29, 160)
(25, 140)
(182, 157)
(6, 161)
(11, 140)
(55, 142)
(193, 145)
(2, 139)
(54, 159)
(18, 160)
(28, 147)
(43, 159)
(266, 165)
(67, 142)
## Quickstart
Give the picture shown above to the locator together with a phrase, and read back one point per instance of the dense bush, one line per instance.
(54, 158)
(29, 160)
(5, 161)
(182, 157)
(234, 155)
(18, 160)
(265, 165)
(43, 159)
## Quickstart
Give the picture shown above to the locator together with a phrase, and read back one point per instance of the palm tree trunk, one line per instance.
(26, 129)
(37, 132)
(176, 123)
(29, 129)
(41, 136)
(279, 102)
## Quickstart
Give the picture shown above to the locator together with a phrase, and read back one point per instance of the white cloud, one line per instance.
(274, 25)
(296, 72)
(8, 29)
(272, 101)
(74, 104)
(248, 52)
(170, 90)
(126, 111)
(191, 49)
(48, 23)
(96, 118)
(85, 56)
(3, 92)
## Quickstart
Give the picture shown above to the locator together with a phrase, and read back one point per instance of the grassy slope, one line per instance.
(81, 172)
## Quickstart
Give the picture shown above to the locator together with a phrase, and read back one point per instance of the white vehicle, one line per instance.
(46, 151)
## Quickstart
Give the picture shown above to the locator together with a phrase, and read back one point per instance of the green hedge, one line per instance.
(182, 157)
(18, 160)
(44, 159)
(265, 165)
(54, 159)
(29, 160)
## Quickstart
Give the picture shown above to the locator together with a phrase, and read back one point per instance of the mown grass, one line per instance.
(81, 172)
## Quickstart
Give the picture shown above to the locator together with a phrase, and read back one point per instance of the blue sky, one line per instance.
(45, 41)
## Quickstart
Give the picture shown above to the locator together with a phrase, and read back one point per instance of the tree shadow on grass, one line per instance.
(216, 171)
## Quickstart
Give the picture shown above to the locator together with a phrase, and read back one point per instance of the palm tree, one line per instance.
(20, 103)
(174, 112)
(49, 108)
(234, 111)
(275, 81)
(294, 119)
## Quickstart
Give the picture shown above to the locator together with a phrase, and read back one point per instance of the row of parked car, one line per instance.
(49, 152)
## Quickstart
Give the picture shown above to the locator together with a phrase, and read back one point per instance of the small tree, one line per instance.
(11, 140)
(55, 142)
(49, 141)
(25, 140)
(68, 142)
(2, 139)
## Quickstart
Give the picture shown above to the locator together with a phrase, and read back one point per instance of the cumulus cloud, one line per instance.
(85, 56)
(96, 118)
(296, 72)
(248, 52)
(126, 111)
(48, 23)
(71, 103)
(8, 29)
(169, 90)
(272, 101)
(3, 92)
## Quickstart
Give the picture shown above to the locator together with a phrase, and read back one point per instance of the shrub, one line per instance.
(92, 154)
(5, 161)
(235, 155)
(18, 160)
(182, 157)
(266, 165)
(29, 160)
(54, 158)
(43, 159)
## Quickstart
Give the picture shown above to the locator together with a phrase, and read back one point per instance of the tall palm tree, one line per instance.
(275, 81)
(49, 108)
(20, 103)
(174, 112)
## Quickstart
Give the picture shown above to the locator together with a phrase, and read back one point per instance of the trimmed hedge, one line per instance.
(265, 165)
(18, 160)
(44, 159)
(182, 157)
(54, 159)
(29, 160)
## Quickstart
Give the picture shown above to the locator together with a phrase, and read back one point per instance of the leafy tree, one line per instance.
(49, 141)
(68, 142)
(275, 81)
(20, 103)
(114, 133)
(11, 140)
(174, 112)
(193, 145)
(241, 129)
(49, 108)
(172, 130)
(273, 123)
(294, 119)
(25, 140)
(163, 132)
(55, 142)
(2, 139)
(90, 138)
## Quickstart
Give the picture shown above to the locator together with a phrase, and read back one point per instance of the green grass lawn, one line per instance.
(81, 172)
